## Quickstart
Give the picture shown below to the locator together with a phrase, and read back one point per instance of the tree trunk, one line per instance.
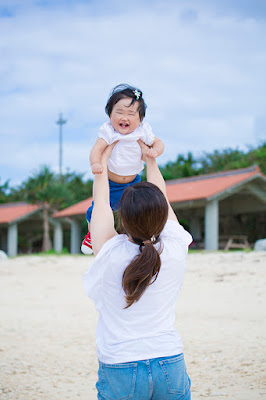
(46, 244)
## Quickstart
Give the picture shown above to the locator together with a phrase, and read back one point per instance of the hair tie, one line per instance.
(137, 94)
(152, 240)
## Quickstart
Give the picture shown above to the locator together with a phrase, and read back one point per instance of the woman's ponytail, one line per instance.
(141, 272)
(143, 214)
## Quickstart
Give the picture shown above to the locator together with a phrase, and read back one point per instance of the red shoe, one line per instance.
(86, 246)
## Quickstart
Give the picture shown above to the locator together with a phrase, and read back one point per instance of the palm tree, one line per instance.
(46, 189)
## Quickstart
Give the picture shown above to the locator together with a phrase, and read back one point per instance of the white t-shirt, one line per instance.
(125, 158)
(146, 329)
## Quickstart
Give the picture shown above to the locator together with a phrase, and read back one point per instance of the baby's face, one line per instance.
(125, 118)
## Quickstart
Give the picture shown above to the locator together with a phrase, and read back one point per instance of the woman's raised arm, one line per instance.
(154, 176)
(102, 219)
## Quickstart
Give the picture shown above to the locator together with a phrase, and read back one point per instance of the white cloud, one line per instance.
(202, 75)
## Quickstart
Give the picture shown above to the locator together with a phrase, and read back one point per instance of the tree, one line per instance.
(224, 160)
(218, 160)
(52, 192)
(4, 188)
(221, 160)
(258, 156)
(45, 188)
(183, 167)
(79, 189)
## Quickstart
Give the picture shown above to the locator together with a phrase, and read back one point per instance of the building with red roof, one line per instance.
(210, 205)
(202, 201)
(25, 220)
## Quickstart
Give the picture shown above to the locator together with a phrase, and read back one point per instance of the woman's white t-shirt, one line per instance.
(146, 329)
(125, 158)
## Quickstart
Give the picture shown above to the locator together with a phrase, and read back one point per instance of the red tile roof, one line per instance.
(206, 186)
(186, 189)
(10, 212)
(77, 209)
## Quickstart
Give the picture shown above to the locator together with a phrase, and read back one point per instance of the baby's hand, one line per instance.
(151, 153)
(97, 168)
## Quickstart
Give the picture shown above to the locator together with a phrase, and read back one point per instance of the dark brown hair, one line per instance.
(143, 213)
(122, 91)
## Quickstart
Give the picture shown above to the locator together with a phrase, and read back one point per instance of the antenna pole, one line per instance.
(60, 122)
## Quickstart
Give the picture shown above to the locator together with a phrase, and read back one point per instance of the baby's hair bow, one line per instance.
(137, 94)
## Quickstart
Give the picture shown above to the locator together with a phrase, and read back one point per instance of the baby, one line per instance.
(126, 110)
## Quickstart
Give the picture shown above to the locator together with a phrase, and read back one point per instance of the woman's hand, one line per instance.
(147, 152)
(144, 150)
(97, 168)
(107, 152)
(152, 153)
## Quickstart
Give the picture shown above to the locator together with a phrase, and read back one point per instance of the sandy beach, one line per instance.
(47, 327)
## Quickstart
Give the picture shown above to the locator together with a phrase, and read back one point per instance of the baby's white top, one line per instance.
(146, 329)
(125, 158)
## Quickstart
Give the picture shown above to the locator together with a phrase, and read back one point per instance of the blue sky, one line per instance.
(200, 64)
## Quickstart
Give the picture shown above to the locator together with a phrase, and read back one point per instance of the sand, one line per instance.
(47, 327)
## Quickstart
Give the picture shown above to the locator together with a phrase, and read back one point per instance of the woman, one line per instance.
(135, 281)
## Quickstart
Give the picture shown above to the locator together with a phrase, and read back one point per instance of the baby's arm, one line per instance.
(96, 156)
(157, 148)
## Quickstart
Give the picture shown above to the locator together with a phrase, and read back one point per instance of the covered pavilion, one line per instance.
(26, 220)
(201, 200)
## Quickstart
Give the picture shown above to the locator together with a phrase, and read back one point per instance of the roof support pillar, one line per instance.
(212, 225)
(12, 240)
(75, 237)
(58, 237)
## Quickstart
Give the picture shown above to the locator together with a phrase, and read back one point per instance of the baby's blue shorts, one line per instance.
(116, 191)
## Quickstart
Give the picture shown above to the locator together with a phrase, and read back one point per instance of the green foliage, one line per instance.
(222, 160)
(79, 189)
(183, 167)
(52, 192)
(46, 187)
(227, 159)
(62, 191)
(219, 160)
(4, 187)
(258, 156)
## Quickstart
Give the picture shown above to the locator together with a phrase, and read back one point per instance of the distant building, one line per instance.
(203, 201)
(25, 221)
(212, 206)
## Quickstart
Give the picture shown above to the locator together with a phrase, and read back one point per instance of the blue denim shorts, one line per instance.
(156, 379)
(116, 192)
